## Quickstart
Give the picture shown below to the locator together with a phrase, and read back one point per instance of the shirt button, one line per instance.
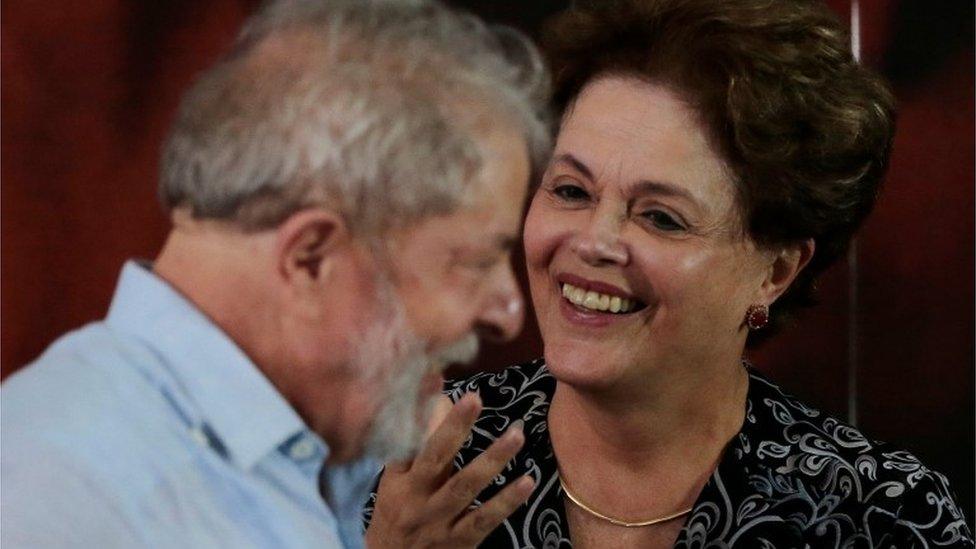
(302, 449)
(200, 437)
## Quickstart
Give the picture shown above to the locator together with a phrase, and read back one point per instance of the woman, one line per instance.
(713, 159)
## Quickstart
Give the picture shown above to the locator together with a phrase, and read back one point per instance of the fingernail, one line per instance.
(470, 406)
(469, 400)
(514, 432)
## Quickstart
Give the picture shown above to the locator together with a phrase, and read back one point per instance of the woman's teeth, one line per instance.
(596, 301)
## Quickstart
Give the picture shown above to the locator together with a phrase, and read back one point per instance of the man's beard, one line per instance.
(394, 358)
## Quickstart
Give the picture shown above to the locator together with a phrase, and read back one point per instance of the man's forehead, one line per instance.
(491, 204)
(479, 226)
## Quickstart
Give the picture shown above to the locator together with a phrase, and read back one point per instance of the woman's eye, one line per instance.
(663, 221)
(572, 193)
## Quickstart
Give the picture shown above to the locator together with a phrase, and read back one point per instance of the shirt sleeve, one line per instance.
(929, 517)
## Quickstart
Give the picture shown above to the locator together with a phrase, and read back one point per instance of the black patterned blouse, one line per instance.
(792, 477)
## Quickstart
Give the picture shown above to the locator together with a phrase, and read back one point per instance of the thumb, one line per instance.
(395, 467)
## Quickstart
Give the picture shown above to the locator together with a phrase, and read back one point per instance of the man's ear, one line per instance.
(787, 262)
(306, 245)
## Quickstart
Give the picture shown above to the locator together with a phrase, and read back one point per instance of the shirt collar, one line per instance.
(229, 392)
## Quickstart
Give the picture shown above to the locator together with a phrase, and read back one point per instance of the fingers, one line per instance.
(431, 503)
(477, 524)
(445, 441)
(458, 493)
(395, 467)
(442, 407)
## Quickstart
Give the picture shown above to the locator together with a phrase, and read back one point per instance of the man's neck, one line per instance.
(220, 271)
(203, 262)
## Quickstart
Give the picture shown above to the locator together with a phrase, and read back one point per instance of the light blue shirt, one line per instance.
(153, 429)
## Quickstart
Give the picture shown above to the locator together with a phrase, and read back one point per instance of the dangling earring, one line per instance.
(757, 317)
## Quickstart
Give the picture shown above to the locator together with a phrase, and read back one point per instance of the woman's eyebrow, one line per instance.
(575, 163)
(646, 186)
(642, 187)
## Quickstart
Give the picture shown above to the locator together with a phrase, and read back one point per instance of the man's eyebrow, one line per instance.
(505, 242)
(492, 243)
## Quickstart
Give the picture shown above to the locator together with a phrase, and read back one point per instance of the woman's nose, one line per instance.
(599, 242)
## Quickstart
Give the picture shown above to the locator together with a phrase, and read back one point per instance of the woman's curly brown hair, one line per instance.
(805, 130)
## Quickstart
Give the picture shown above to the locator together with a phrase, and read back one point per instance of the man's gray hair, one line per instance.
(372, 107)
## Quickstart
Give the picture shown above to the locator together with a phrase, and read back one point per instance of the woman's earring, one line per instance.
(757, 317)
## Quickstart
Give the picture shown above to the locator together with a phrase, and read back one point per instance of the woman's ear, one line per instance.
(786, 263)
(306, 246)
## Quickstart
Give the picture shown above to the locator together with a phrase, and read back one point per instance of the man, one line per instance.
(345, 187)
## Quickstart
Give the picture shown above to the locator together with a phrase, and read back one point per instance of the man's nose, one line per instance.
(504, 309)
(599, 243)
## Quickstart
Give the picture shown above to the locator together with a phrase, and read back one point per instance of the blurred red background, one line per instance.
(89, 88)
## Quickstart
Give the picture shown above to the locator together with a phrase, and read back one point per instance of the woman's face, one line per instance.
(634, 248)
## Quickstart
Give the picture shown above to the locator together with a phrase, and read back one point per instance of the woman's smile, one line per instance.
(595, 304)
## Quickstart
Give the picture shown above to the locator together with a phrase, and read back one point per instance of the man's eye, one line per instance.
(663, 221)
(572, 193)
(481, 264)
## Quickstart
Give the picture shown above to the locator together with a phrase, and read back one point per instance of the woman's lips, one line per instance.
(603, 305)
(596, 286)
(590, 318)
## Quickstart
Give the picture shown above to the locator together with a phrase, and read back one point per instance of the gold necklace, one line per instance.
(619, 522)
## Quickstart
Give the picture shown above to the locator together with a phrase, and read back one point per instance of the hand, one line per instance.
(422, 504)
